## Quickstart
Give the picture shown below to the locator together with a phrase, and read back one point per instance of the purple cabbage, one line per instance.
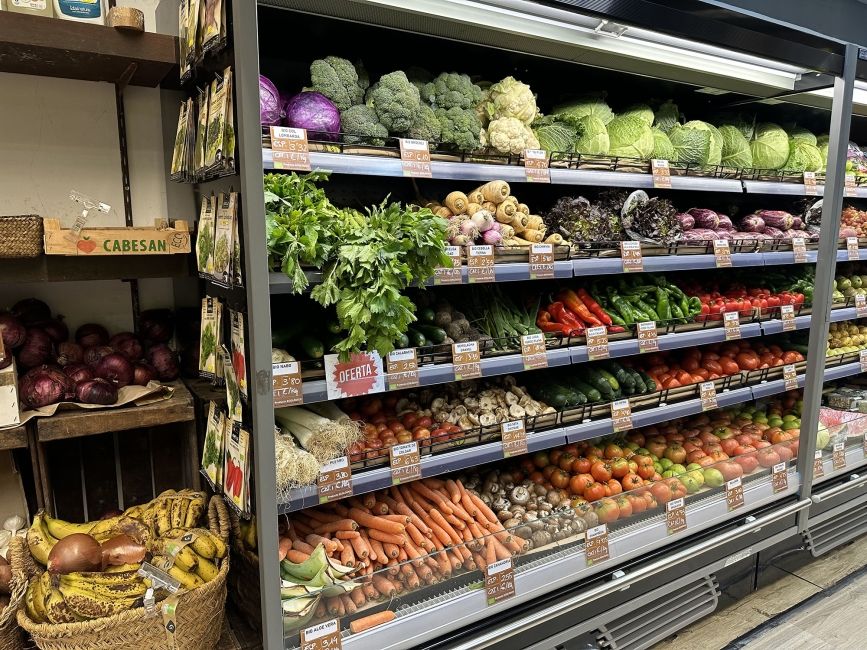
(725, 223)
(704, 218)
(270, 107)
(686, 221)
(314, 112)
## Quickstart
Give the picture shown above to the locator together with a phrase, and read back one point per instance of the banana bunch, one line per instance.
(83, 596)
(190, 556)
(248, 534)
(171, 510)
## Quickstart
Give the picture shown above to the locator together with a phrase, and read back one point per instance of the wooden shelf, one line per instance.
(56, 268)
(15, 438)
(51, 47)
(82, 422)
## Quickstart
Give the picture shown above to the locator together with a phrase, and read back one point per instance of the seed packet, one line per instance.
(239, 353)
(238, 279)
(183, 40)
(224, 243)
(205, 237)
(236, 485)
(179, 160)
(216, 124)
(201, 132)
(212, 27)
(233, 394)
(228, 151)
(211, 338)
(194, 48)
(212, 452)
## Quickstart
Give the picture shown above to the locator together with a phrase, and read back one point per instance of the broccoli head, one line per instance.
(396, 101)
(337, 79)
(460, 127)
(426, 126)
(450, 90)
(360, 125)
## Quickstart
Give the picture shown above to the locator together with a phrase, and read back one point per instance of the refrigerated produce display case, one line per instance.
(584, 378)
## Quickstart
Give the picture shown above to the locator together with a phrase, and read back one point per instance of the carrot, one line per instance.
(455, 522)
(484, 510)
(369, 521)
(401, 555)
(340, 509)
(501, 551)
(391, 550)
(397, 540)
(464, 551)
(358, 597)
(461, 514)
(296, 557)
(347, 557)
(415, 535)
(469, 507)
(399, 494)
(379, 508)
(377, 548)
(348, 604)
(321, 609)
(303, 547)
(403, 509)
(359, 548)
(480, 562)
(371, 554)
(369, 500)
(334, 526)
(314, 540)
(440, 535)
(285, 547)
(454, 492)
(490, 551)
(434, 483)
(369, 591)
(456, 560)
(430, 495)
(372, 620)
(401, 519)
(383, 585)
(413, 553)
(440, 521)
(322, 517)
(411, 578)
(301, 528)
(347, 534)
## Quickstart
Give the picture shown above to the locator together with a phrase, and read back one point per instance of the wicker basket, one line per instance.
(10, 634)
(21, 236)
(198, 617)
(244, 584)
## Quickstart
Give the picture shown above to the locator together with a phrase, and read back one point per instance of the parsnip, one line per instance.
(456, 202)
(495, 191)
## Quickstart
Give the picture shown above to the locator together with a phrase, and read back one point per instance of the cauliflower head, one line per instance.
(361, 126)
(511, 98)
(450, 90)
(396, 101)
(460, 128)
(338, 80)
(509, 135)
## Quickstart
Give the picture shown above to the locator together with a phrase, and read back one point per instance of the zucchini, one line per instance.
(416, 338)
(611, 379)
(575, 398)
(620, 374)
(313, 348)
(640, 386)
(401, 342)
(432, 333)
(553, 396)
(589, 392)
(595, 379)
(649, 382)
(334, 327)
(426, 315)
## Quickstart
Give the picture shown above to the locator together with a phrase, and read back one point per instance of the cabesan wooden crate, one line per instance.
(157, 240)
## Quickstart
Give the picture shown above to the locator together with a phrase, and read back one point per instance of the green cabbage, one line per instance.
(822, 143)
(593, 136)
(593, 105)
(691, 146)
(555, 136)
(630, 137)
(736, 149)
(667, 115)
(803, 157)
(799, 133)
(769, 146)
(642, 111)
(714, 154)
(662, 147)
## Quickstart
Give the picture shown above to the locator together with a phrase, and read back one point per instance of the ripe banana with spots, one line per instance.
(188, 580)
(39, 540)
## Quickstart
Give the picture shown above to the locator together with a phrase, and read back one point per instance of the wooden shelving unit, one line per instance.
(14, 438)
(51, 268)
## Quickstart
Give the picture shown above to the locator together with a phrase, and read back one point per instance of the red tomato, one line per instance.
(601, 471)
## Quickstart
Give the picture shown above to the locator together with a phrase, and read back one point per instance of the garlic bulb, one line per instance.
(14, 523)
(5, 536)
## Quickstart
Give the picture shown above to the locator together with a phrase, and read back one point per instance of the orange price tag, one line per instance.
(722, 253)
(661, 174)
(322, 636)
(405, 462)
(810, 188)
(799, 248)
(536, 166)
(675, 516)
(541, 261)
(734, 493)
(707, 393)
(286, 384)
(499, 581)
(467, 360)
(596, 544)
(335, 480)
(647, 337)
(514, 437)
(787, 315)
(402, 369)
(480, 263)
(630, 256)
(415, 158)
(621, 415)
(779, 478)
(451, 274)
(289, 148)
(533, 353)
(597, 342)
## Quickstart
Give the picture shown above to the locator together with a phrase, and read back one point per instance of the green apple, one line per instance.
(713, 477)
(669, 474)
(697, 475)
(666, 463)
(677, 468)
(693, 466)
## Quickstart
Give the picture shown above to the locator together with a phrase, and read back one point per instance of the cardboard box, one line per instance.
(9, 413)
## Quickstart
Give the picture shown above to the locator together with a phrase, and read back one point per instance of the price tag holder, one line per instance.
(322, 636)
(541, 261)
(514, 437)
(533, 353)
(647, 337)
(661, 174)
(818, 465)
(449, 275)
(536, 166)
(838, 456)
(779, 478)
(860, 305)
(732, 325)
(810, 188)
(630, 256)
(849, 186)
(799, 248)
(480, 264)
(790, 376)
(862, 359)
(289, 148)
(467, 360)
(597, 342)
(402, 369)
(335, 480)
(722, 253)
(734, 493)
(596, 544)
(852, 251)
(707, 393)
(675, 516)
(621, 415)
(415, 158)
(286, 384)
(405, 460)
(787, 315)
(499, 581)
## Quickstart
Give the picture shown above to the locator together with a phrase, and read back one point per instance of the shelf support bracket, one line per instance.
(119, 86)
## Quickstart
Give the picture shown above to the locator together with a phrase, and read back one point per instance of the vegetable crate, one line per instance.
(157, 240)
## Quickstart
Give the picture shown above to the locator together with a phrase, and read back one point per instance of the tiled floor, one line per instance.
(832, 620)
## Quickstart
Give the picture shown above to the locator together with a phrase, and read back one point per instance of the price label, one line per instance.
(596, 544)
(630, 256)
(838, 456)
(415, 158)
(289, 148)
(779, 478)
(647, 338)
(675, 516)
(862, 359)
(661, 174)
(787, 315)
(361, 375)
(734, 493)
(621, 415)
(335, 480)
(860, 305)
(597, 342)
(533, 354)
(852, 249)
(722, 253)
(541, 261)
(790, 376)
(286, 384)
(799, 248)
(499, 581)
(402, 369)
(732, 325)
(467, 360)
(536, 166)
(480, 263)
(707, 393)
(818, 465)
(405, 460)
(514, 437)
(322, 636)
(810, 188)
(849, 185)
(450, 274)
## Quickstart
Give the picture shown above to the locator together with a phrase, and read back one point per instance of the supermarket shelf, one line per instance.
(653, 263)
(840, 372)
(58, 268)
(843, 255)
(13, 438)
(775, 325)
(847, 313)
(773, 258)
(770, 187)
(854, 459)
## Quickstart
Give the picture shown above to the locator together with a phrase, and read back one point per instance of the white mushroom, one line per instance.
(525, 401)
(473, 418)
(511, 398)
(516, 411)
(471, 403)
(516, 390)
(460, 411)
(487, 404)
(509, 381)
(530, 411)
(466, 423)
(438, 403)
(441, 416)
(487, 419)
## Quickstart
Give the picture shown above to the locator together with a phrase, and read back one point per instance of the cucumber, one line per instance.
(426, 315)
(553, 396)
(432, 333)
(591, 393)
(575, 398)
(402, 342)
(334, 327)
(595, 379)
(611, 379)
(620, 374)
(416, 338)
(649, 382)
(313, 348)
(640, 387)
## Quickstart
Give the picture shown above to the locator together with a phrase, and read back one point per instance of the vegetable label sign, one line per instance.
(541, 261)
(415, 158)
(799, 248)
(323, 636)
(787, 315)
(707, 394)
(289, 148)
(630, 255)
(533, 352)
(722, 253)
(499, 581)
(675, 516)
(790, 376)
(621, 415)
(402, 369)
(597, 343)
(536, 166)
(779, 478)
(361, 375)
(514, 437)
(838, 456)
(647, 338)
(860, 305)
(734, 493)
(450, 275)
(596, 544)
(405, 462)
(852, 249)
(732, 324)
(467, 360)
(849, 185)
(335, 480)
(818, 465)
(862, 359)
(810, 188)
(661, 174)
(286, 382)
(480, 263)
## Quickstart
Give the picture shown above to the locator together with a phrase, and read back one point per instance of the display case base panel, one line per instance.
(836, 527)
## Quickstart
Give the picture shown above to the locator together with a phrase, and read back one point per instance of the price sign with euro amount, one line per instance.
(514, 437)
(838, 456)
(335, 480)
(289, 148)
(536, 166)
(597, 342)
(480, 263)
(596, 544)
(499, 581)
(415, 158)
(810, 188)
(621, 415)
(402, 369)
(322, 636)
(799, 248)
(449, 274)
(630, 257)
(779, 478)
(286, 384)
(405, 462)
(661, 174)
(675, 516)
(707, 394)
(647, 337)
(722, 253)
(818, 465)
(467, 360)
(533, 352)
(541, 261)
(734, 493)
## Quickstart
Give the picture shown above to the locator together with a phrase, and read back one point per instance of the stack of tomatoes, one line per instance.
(739, 298)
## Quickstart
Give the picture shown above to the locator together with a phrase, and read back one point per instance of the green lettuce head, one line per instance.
(662, 147)
(593, 137)
(667, 115)
(735, 149)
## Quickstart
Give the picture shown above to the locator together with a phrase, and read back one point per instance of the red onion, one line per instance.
(156, 325)
(115, 367)
(68, 352)
(36, 349)
(31, 311)
(93, 354)
(144, 373)
(13, 331)
(128, 345)
(55, 328)
(43, 386)
(164, 359)
(91, 334)
(96, 391)
(78, 372)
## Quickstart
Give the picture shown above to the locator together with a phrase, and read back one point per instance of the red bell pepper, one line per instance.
(565, 317)
(594, 307)
(573, 302)
(544, 323)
